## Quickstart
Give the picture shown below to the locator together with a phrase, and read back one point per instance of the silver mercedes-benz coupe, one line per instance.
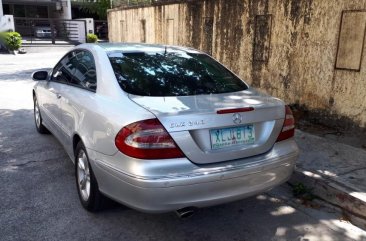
(162, 128)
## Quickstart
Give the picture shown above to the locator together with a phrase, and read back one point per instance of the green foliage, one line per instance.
(11, 40)
(299, 190)
(91, 38)
(99, 7)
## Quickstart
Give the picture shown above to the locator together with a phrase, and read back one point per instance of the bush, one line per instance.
(91, 38)
(11, 40)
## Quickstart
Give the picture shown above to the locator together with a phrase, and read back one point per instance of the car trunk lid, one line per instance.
(207, 127)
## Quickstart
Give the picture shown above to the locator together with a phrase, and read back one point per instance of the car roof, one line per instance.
(142, 47)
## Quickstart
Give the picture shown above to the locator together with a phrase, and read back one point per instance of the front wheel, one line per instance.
(38, 118)
(87, 186)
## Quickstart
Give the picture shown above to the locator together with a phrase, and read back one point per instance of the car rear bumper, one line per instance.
(202, 185)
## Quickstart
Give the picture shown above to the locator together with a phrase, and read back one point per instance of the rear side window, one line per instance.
(85, 74)
(172, 74)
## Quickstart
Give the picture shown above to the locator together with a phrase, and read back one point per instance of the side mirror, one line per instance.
(40, 75)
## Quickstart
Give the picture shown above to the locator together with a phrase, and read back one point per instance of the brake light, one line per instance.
(228, 111)
(288, 129)
(147, 139)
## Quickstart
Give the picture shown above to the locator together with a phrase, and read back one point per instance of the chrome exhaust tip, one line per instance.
(185, 212)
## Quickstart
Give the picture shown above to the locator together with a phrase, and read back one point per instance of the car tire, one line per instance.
(38, 118)
(90, 197)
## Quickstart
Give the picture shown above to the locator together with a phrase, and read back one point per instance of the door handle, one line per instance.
(55, 93)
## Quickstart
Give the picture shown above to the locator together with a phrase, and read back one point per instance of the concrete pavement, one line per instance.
(335, 172)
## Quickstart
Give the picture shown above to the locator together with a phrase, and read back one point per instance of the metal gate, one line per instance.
(101, 29)
(50, 30)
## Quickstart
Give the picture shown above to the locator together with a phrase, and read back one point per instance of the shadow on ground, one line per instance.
(39, 202)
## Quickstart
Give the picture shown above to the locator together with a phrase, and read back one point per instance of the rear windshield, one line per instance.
(172, 74)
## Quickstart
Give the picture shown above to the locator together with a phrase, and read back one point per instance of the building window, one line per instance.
(19, 10)
(30, 11)
(351, 40)
(6, 9)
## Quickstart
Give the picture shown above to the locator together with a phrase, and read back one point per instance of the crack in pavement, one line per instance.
(348, 172)
(29, 162)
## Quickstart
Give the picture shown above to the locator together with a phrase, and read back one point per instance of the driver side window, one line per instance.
(65, 69)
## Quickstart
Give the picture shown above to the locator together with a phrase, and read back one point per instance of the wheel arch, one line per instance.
(75, 140)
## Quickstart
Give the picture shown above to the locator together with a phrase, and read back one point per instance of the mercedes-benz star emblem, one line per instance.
(237, 118)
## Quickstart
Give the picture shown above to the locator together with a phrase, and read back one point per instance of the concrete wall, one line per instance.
(66, 10)
(7, 23)
(287, 48)
(1, 8)
(89, 24)
(77, 30)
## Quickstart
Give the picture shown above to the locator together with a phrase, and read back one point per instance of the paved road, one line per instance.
(39, 200)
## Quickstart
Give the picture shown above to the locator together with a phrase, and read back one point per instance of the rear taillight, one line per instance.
(288, 129)
(147, 139)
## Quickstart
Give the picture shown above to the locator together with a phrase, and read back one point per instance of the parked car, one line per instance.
(162, 128)
(44, 32)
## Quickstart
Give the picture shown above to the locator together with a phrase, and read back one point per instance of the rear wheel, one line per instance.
(38, 118)
(86, 184)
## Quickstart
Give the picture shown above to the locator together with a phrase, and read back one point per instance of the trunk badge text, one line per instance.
(237, 118)
(188, 123)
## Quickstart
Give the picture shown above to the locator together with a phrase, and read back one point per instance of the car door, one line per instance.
(61, 75)
(78, 95)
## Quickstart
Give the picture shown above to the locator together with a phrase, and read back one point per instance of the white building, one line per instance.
(36, 19)
(37, 8)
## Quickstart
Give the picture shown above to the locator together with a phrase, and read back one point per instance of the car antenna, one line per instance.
(165, 50)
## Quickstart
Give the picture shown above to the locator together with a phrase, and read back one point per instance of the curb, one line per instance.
(351, 202)
(46, 48)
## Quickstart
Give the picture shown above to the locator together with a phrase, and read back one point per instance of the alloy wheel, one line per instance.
(37, 115)
(83, 175)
